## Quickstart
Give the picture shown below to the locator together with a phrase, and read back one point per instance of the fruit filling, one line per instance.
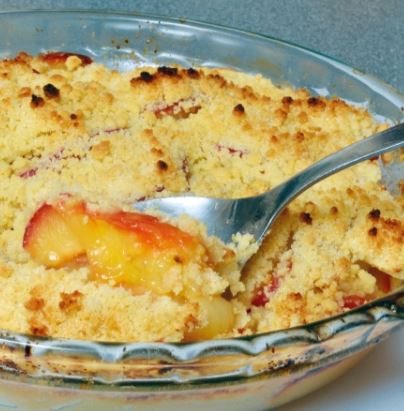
(137, 251)
(128, 248)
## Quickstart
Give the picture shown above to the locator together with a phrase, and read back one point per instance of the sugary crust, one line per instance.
(71, 126)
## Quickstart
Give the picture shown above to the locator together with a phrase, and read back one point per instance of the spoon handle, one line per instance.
(280, 196)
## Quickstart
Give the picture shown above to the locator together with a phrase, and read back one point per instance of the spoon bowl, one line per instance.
(255, 215)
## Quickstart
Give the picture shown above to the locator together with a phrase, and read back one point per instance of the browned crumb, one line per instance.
(70, 301)
(334, 210)
(51, 91)
(168, 71)
(25, 92)
(305, 218)
(239, 110)
(374, 215)
(34, 304)
(192, 73)
(287, 100)
(37, 101)
(37, 328)
(162, 165)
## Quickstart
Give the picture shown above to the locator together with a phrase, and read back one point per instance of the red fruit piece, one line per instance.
(261, 296)
(29, 173)
(259, 299)
(383, 280)
(353, 301)
(59, 57)
(176, 109)
(49, 239)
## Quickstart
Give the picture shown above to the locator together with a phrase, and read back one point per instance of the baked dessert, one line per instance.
(81, 143)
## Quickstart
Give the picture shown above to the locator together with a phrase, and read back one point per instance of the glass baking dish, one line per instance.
(247, 373)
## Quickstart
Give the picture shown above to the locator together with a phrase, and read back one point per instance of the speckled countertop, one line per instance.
(366, 34)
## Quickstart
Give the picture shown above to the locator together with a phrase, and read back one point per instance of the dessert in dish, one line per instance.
(81, 143)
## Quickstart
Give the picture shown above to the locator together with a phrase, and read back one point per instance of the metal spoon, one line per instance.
(255, 215)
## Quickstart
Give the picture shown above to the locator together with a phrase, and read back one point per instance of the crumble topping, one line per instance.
(71, 128)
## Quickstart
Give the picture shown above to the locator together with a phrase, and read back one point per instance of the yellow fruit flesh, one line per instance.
(120, 256)
(219, 315)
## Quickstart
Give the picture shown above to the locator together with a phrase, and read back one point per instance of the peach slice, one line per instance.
(128, 248)
(49, 239)
(219, 315)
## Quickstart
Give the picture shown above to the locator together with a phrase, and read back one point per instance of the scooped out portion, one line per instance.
(138, 252)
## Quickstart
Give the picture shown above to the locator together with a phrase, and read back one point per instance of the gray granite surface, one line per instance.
(366, 34)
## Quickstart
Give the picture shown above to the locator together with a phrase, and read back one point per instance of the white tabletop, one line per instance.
(375, 384)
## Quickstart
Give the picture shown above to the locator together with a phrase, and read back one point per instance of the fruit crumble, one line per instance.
(80, 144)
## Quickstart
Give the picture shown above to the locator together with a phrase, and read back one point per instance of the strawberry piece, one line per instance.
(29, 173)
(273, 285)
(59, 58)
(259, 299)
(353, 301)
(261, 296)
(49, 239)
